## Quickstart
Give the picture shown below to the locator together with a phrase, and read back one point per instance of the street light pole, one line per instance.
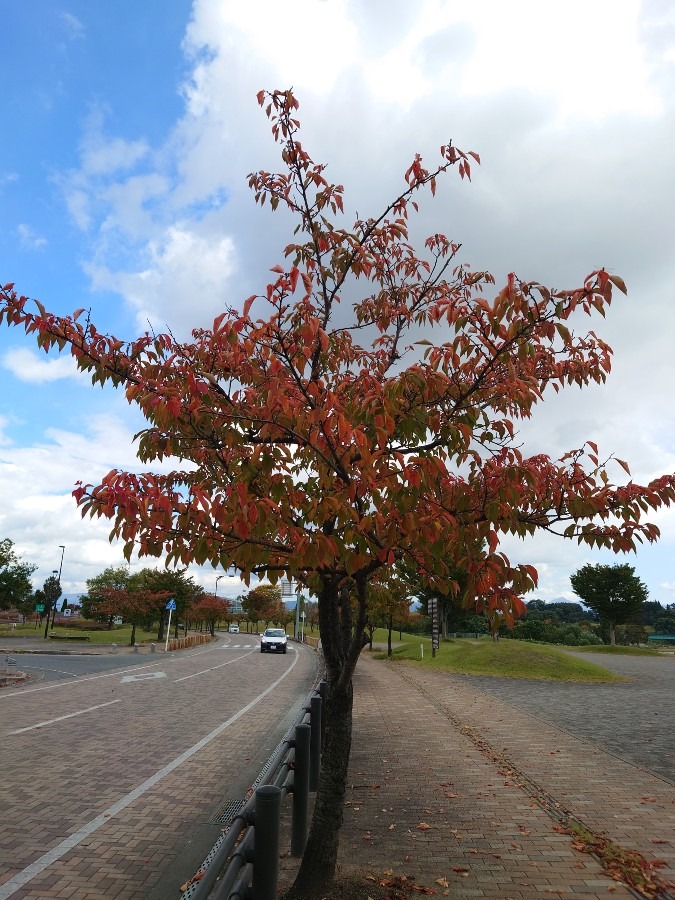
(62, 548)
(49, 609)
(218, 577)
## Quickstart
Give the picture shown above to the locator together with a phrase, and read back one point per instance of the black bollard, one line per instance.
(315, 742)
(266, 842)
(300, 790)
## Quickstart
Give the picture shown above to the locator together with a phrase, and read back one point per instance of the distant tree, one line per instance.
(15, 583)
(388, 605)
(665, 622)
(651, 611)
(261, 604)
(453, 600)
(614, 592)
(52, 592)
(560, 611)
(535, 608)
(211, 610)
(115, 578)
(178, 586)
(135, 604)
(312, 614)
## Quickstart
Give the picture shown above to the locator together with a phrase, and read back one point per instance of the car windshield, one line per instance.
(275, 632)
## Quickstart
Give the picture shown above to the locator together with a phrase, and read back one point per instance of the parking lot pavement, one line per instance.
(633, 720)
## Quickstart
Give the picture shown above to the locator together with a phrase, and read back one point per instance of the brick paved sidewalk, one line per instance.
(449, 785)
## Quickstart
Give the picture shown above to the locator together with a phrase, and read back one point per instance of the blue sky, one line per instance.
(129, 129)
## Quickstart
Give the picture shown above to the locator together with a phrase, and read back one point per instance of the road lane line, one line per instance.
(51, 856)
(20, 692)
(80, 712)
(204, 671)
(45, 669)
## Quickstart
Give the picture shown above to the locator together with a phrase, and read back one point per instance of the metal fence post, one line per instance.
(300, 790)
(315, 742)
(266, 842)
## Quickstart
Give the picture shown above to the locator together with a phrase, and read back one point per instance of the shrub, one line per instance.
(553, 633)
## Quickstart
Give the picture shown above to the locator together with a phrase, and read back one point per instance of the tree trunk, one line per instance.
(389, 628)
(341, 631)
(320, 857)
(133, 635)
(612, 634)
(160, 629)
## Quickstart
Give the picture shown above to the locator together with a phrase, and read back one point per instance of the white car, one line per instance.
(273, 640)
(233, 629)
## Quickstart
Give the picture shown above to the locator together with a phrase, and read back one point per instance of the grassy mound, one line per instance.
(503, 659)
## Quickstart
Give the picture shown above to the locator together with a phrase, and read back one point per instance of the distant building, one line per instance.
(235, 606)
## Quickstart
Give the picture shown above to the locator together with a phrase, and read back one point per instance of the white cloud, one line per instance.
(38, 512)
(102, 154)
(30, 240)
(74, 26)
(28, 366)
(186, 276)
(7, 178)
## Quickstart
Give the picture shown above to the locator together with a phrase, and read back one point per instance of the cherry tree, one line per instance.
(358, 413)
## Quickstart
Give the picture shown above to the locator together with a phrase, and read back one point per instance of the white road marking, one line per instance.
(204, 671)
(80, 712)
(20, 692)
(51, 856)
(145, 676)
(45, 669)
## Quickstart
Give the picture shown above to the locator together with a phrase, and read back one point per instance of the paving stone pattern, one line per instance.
(433, 750)
(635, 720)
(60, 777)
(452, 781)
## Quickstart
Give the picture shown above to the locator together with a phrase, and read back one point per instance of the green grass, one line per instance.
(118, 634)
(503, 659)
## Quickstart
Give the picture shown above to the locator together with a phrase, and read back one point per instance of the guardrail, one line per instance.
(244, 862)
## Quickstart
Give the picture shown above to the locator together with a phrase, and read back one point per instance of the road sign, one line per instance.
(39, 607)
(171, 604)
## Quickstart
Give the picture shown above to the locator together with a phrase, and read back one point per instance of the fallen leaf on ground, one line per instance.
(193, 880)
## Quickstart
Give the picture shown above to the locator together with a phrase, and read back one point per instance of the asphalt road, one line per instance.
(50, 664)
(113, 773)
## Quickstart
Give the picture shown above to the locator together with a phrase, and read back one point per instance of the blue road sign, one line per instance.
(171, 604)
